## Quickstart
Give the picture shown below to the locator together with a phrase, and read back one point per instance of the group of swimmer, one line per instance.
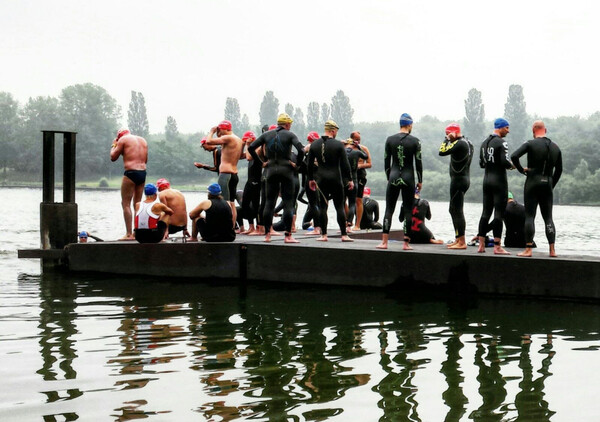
(336, 170)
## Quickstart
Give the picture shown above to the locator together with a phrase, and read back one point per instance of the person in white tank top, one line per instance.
(151, 217)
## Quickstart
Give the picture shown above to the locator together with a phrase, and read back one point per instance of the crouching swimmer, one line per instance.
(151, 217)
(215, 226)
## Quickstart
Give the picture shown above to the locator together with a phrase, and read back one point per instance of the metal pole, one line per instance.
(69, 167)
(48, 167)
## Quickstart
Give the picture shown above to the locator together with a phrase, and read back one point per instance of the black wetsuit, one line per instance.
(419, 231)
(370, 214)
(251, 196)
(354, 155)
(544, 164)
(461, 153)
(279, 173)
(493, 157)
(216, 227)
(514, 220)
(332, 175)
(361, 175)
(401, 150)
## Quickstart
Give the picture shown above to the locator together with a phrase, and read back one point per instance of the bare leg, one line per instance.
(359, 213)
(268, 237)
(406, 245)
(459, 244)
(384, 241)
(128, 190)
(552, 251)
(194, 237)
(233, 211)
(323, 238)
(481, 248)
(290, 239)
(347, 238)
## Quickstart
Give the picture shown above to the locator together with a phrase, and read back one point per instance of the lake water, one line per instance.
(122, 348)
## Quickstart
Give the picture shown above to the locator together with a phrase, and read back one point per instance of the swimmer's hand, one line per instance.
(350, 185)
(199, 165)
(265, 163)
(293, 164)
(525, 170)
(312, 185)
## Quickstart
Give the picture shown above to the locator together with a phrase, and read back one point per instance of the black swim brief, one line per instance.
(151, 235)
(138, 177)
(228, 183)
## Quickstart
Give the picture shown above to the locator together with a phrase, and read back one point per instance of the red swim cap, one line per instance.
(225, 125)
(312, 136)
(452, 128)
(122, 133)
(367, 191)
(249, 135)
(203, 141)
(162, 184)
(272, 127)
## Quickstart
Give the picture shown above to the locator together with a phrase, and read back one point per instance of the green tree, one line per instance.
(582, 171)
(90, 111)
(232, 113)
(171, 131)
(474, 121)
(40, 113)
(299, 127)
(325, 115)
(313, 117)
(289, 109)
(137, 117)
(9, 122)
(341, 112)
(245, 124)
(269, 109)
(515, 113)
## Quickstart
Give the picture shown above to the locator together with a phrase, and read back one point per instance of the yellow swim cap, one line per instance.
(330, 124)
(284, 118)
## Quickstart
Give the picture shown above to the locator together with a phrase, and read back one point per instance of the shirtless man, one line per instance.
(134, 150)
(231, 152)
(216, 153)
(175, 200)
(363, 165)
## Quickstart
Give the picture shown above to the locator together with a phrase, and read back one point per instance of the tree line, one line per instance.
(94, 114)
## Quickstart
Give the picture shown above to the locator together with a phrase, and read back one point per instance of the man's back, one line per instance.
(176, 201)
(134, 152)
(230, 153)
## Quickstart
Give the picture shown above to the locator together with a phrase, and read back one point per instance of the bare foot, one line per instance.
(499, 250)
(356, 228)
(382, 245)
(193, 239)
(552, 251)
(347, 239)
(526, 252)
(481, 249)
(406, 247)
(323, 238)
(458, 246)
(290, 239)
(128, 237)
(256, 233)
(268, 237)
(451, 245)
(313, 233)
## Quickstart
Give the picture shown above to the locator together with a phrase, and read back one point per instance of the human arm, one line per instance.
(517, 154)
(387, 159)
(366, 164)
(345, 167)
(116, 150)
(254, 145)
(160, 207)
(504, 159)
(447, 146)
(557, 170)
(202, 206)
(419, 165)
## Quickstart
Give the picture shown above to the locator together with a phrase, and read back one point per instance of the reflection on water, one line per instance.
(126, 349)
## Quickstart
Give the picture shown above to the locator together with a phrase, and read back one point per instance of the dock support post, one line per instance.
(58, 221)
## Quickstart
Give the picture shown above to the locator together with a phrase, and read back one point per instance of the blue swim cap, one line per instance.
(214, 189)
(83, 234)
(405, 119)
(499, 123)
(150, 189)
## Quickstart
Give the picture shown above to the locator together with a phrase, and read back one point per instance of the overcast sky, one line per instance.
(388, 56)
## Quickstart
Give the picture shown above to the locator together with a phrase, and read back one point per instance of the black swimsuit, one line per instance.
(138, 177)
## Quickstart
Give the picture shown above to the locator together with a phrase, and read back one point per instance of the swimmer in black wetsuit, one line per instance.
(460, 150)
(514, 222)
(330, 179)
(361, 175)
(370, 215)
(419, 231)
(493, 157)
(401, 150)
(279, 172)
(251, 195)
(311, 214)
(355, 154)
(544, 168)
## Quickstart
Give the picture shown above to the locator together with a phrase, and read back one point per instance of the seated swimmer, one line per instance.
(514, 220)
(215, 225)
(370, 216)
(420, 232)
(175, 200)
(151, 217)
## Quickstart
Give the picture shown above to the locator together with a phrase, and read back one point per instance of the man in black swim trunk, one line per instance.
(134, 150)
(544, 168)
(493, 157)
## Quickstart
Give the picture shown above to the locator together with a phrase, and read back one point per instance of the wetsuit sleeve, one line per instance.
(252, 148)
(376, 211)
(299, 148)
(363, 155)
(506, 163)
(446, 147)
(482, 154)
(419, 163)
(557, 170)
(310, 164)
(517, 154)
(345, 165)
(428, 213)
(387, 158)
